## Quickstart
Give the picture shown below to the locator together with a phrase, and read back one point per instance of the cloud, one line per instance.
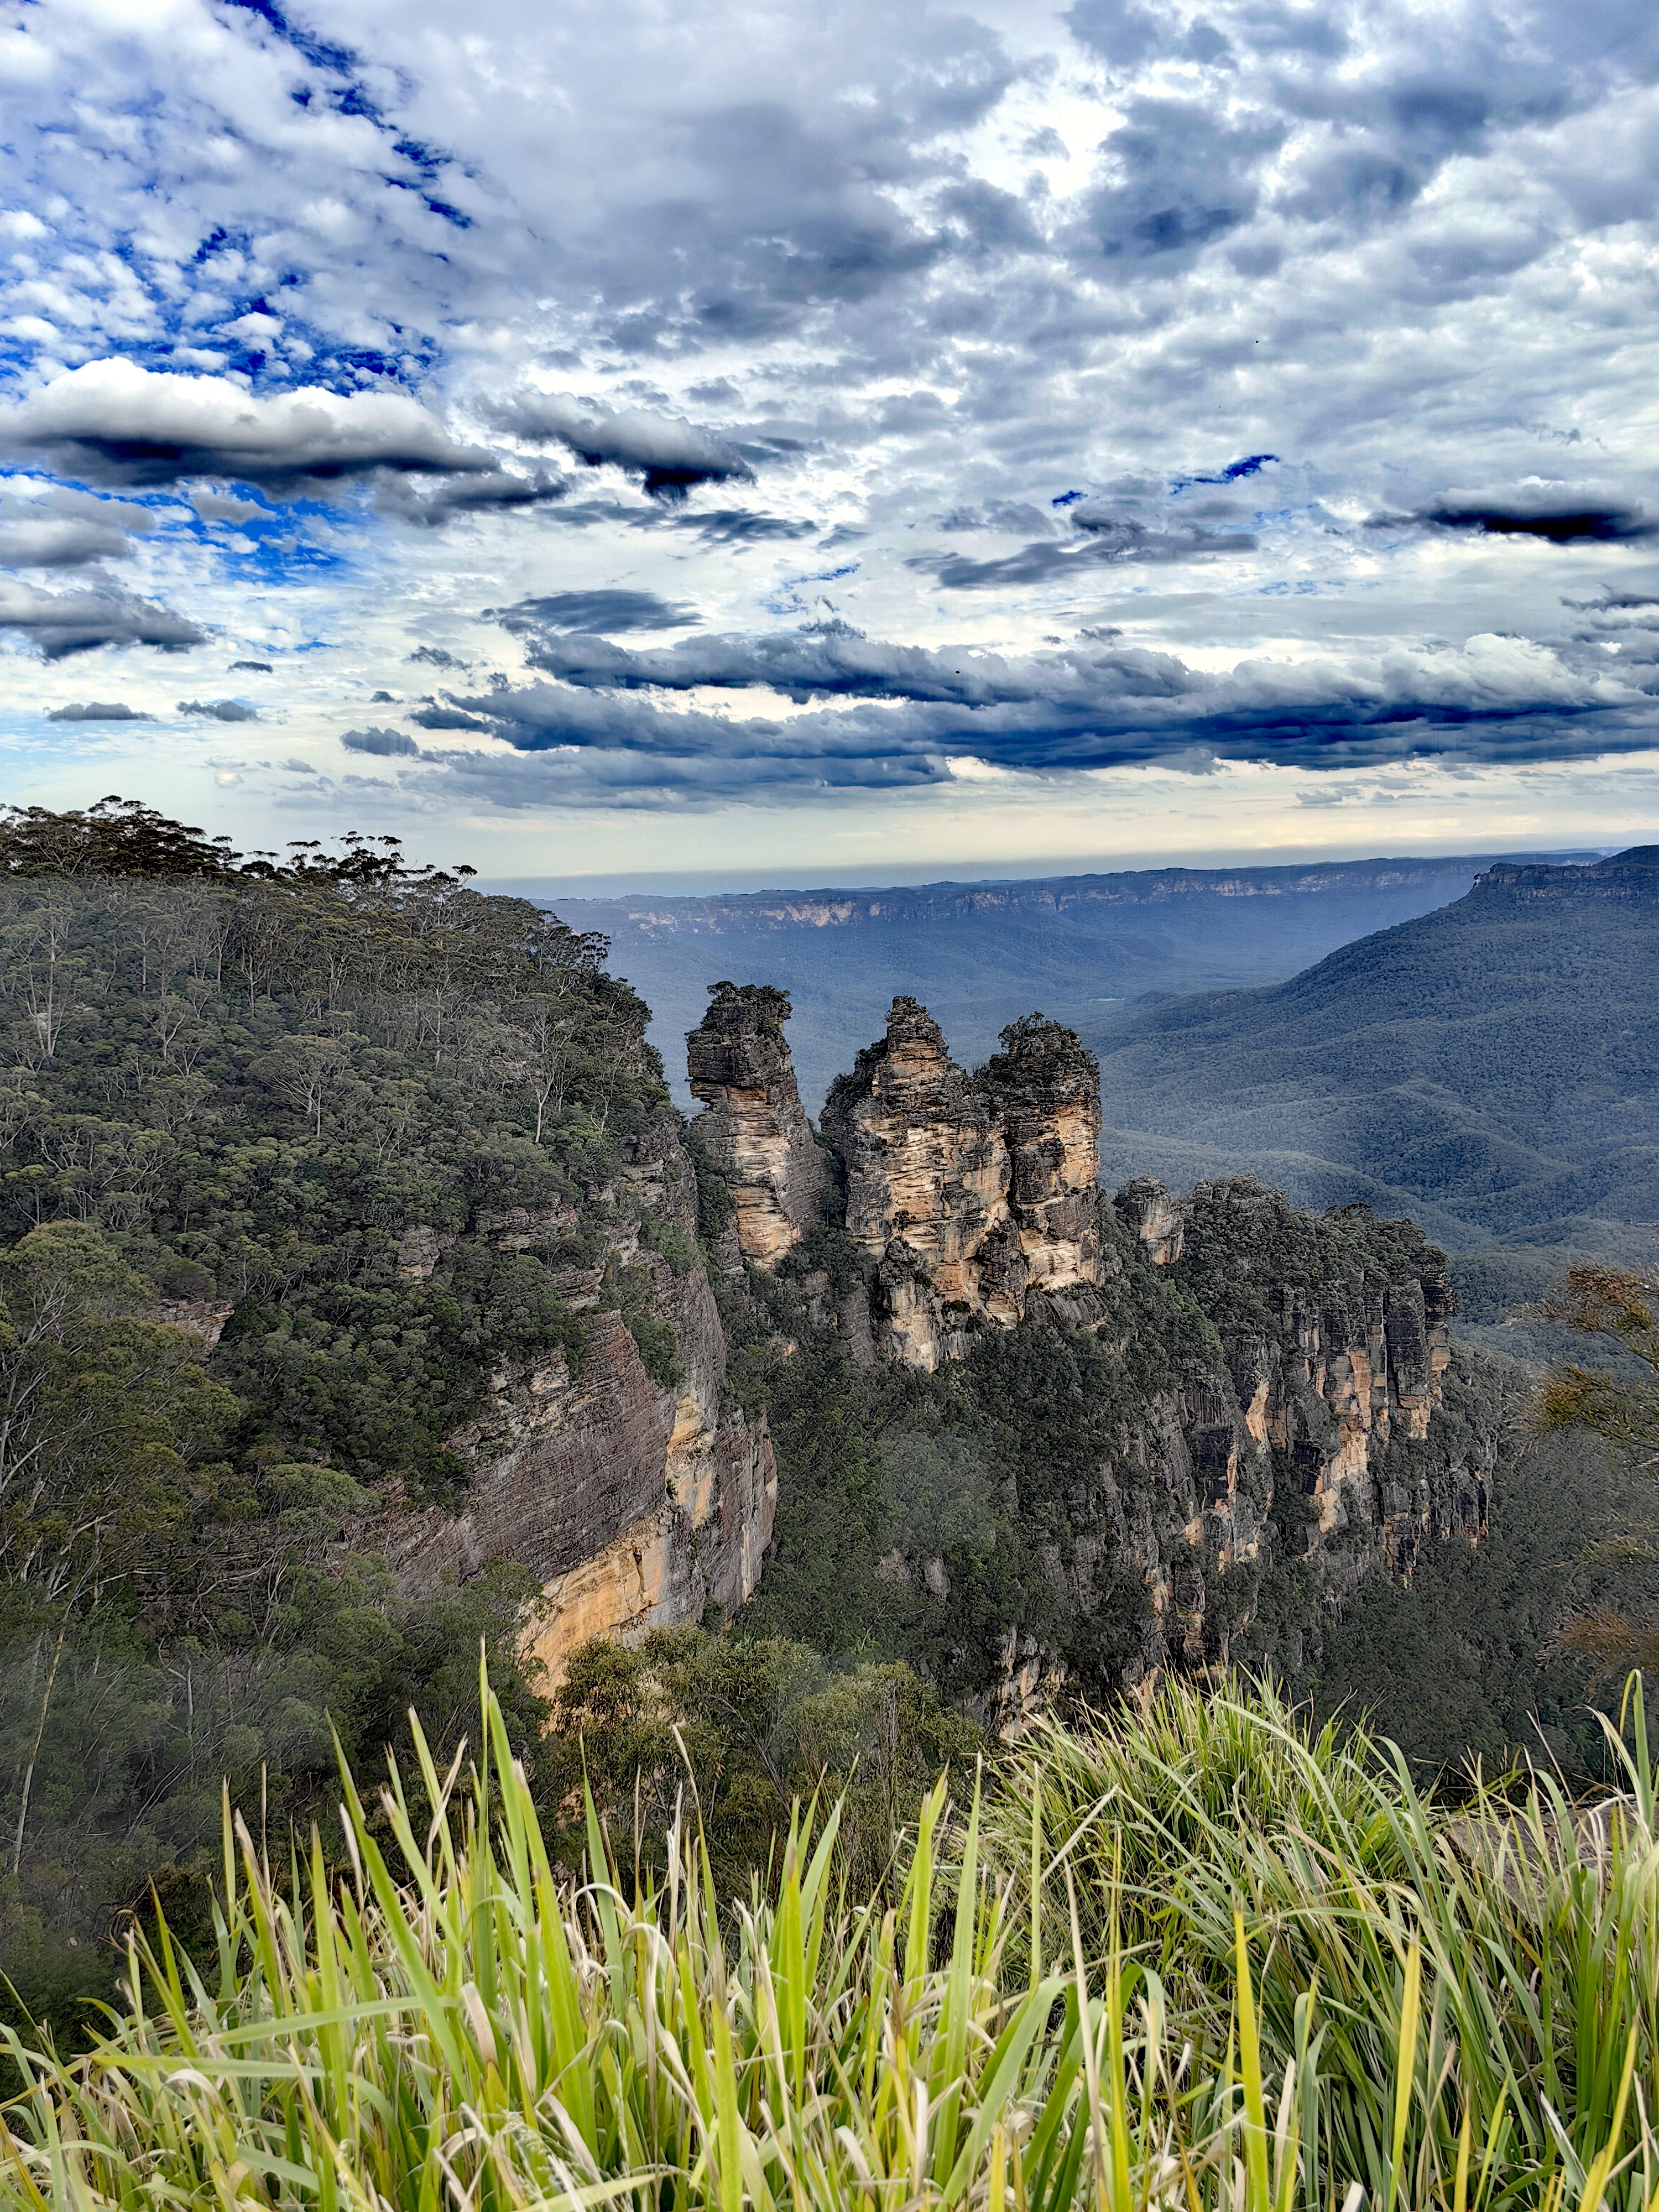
(1182, 179)
(499, 490)
(435, 717)
(434, 656)
(1022, 314)
(1560, 522)
(115, 422)
(51, 526)
(254, 667)
(736, 525)
(61, 623)
(667, 452)
(388, 744)
(885, 716)
(94, 710)
(212, 505)
(1103, 539)
(221, 710)
(1046, 706)
(599, 611)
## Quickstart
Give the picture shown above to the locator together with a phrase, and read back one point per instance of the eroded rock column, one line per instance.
(754, 1129)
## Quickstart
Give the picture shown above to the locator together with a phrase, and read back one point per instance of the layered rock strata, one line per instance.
(753, 1130)
(634, 1502)
(966, 1194)
(1257, 1390)
(1304, 1444)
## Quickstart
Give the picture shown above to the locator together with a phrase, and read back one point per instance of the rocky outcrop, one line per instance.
(1253, 1490)
(1630, 878)
(203, 1317)
(753, 1131)
(1233, 1409)
(632, 1499)
(966, 1194)
(1153, 1217)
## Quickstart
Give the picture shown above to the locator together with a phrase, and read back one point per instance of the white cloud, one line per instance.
(115, 422)
(869, 323)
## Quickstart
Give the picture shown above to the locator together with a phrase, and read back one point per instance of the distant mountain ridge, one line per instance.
(981, 954)
(1491, 1066)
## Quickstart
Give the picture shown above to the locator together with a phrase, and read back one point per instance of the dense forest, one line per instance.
(229, 1085)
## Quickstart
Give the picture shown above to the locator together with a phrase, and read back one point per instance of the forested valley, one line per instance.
(228, 1086)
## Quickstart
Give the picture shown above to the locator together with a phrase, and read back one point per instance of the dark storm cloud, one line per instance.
(1030, 701)
(61, 623)
(668, 453)
(96, 710)
(113, 423)
(900, 714)
(595, 611)
(498, 490)
(388, 744)
(1560, 526)
(830, 660)
(218, 710)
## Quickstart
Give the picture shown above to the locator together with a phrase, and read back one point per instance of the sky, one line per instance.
(643, 438)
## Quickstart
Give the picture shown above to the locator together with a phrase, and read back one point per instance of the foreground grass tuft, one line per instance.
(1198, 1961)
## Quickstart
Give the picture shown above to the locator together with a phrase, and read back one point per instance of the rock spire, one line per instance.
(966, 1194)
(753, 1131)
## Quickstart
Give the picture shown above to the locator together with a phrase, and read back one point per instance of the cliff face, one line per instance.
(1630, 877)
(1118, 1435)
(965, 1194)
(620, 1484)
(753, 1131)
(1220, 1416)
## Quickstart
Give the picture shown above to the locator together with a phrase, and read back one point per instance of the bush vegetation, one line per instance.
(1202, 1960)
(228, 1086)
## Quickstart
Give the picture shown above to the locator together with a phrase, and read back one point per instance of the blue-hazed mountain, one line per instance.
(981, 954)
(1489, 1068)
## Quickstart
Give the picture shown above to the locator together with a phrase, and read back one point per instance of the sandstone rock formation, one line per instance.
(1308, 1448)
(966, 1194)
(1267, 1380)
(754, 1129)
(634, 1502)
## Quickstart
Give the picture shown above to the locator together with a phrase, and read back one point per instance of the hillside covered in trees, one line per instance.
(228, 1086)
(308, 1164)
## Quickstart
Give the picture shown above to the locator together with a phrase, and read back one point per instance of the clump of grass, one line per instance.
(1445, 1983)
(447, 2026)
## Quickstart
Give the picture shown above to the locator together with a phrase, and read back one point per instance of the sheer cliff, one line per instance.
(753, 1131)
(617, 1476)
(1032, 1436)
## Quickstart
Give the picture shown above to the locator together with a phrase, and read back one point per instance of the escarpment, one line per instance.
(1137, 1432)
(1053, 1440)
(607, 1467)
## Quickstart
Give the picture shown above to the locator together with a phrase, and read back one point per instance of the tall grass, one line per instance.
(1184, 2009)
(1478, 1984)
